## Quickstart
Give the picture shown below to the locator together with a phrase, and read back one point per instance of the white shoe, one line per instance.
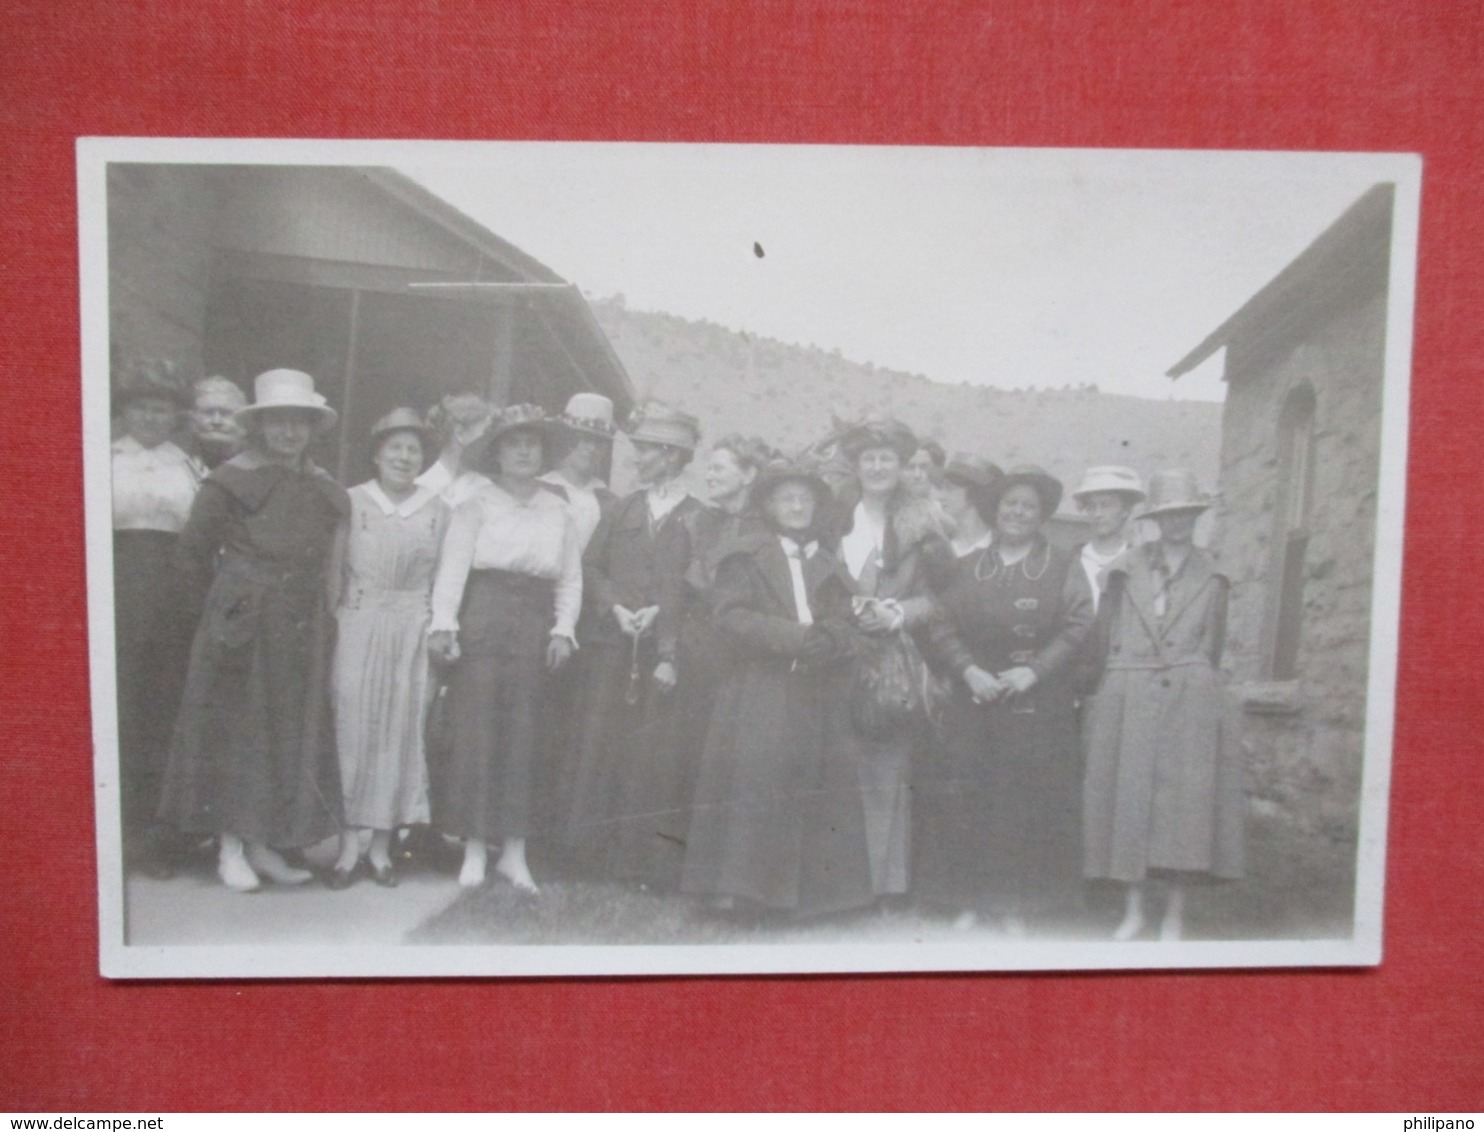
(274, 867)
(472, 874)
(233, 868)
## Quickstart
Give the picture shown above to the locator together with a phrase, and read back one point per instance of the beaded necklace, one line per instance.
(996, 565)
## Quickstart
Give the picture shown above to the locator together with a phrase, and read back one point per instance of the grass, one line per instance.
(1298, 886)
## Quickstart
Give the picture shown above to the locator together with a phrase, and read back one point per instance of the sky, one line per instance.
(1008, 268)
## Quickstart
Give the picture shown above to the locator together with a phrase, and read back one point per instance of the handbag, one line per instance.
(892, 690)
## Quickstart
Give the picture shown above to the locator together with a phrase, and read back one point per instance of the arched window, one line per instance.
(1295, 503)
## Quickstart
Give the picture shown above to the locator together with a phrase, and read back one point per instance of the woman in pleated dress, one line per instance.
(380, 676)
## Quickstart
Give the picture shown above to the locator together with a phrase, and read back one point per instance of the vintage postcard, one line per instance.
(570, 559)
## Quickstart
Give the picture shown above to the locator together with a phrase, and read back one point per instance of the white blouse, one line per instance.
(865, 540)
(583, 499)
(493, 530)
(453, 489)
(153, 488)
(1095, 566)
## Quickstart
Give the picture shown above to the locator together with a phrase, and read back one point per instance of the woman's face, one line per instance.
(398, 461)
(1019, 516)
(211, 419)
(654, 463)
(1107, 513)
(791, 507)
(150, 420)
(287, 433)
(585, 458)
(519, 454)
(727, 480)
(879, 469)
(953, 497)
(918, 474)
(1177, 528)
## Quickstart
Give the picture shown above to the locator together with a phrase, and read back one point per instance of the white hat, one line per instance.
(591, 413)
(1111, 478)
(286, 389)
(1175, 491)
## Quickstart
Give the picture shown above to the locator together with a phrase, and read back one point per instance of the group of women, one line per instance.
(864, 674)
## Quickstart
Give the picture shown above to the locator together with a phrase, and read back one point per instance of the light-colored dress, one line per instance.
(381, 671)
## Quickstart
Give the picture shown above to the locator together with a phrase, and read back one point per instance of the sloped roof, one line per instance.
(1352, 256)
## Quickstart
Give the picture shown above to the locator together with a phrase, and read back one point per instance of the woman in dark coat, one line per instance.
(778, 819)
(894, 551)
(1012, 621)
(253, 758)
(1163, 796)
(619, 791)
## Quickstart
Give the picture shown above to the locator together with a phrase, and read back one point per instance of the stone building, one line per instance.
(1300, 462)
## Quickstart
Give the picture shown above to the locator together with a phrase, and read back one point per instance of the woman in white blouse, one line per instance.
(154, 483)
(505, 605)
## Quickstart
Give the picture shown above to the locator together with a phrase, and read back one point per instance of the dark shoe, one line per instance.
(384, 875)
(341, 879)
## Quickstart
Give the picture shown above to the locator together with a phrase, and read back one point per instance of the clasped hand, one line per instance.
(987, 688)
(635, 623)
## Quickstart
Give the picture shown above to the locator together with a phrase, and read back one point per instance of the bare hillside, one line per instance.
(787, 394)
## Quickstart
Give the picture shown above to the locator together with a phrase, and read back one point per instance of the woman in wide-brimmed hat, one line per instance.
(253, 758)
(1013, 619)
(1107, 496)
(618, 781)
(380, 673)
(154, 485)
(505, 605)
(778, 821)
(894, 551)
(1163, 797)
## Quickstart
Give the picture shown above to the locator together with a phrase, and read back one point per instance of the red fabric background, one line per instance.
(1334, 75)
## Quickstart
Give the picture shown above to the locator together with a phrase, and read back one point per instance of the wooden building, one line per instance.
(1300, 470)
(385, 293)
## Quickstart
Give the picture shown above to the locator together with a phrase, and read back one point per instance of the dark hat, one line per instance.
(402, 420)
(152, 377)
(1045, 485)
(974, 470)
(879, 432)
(780, 471)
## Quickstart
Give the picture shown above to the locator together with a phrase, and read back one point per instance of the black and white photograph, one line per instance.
(558, 558)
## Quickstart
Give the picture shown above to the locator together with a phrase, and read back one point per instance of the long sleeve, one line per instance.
(675, 552)
(204, 533)
(1216, 621)
(1076, 625)
(738, 617)
(569, 583)
(599, 588)
(940, 642)
(454, 563)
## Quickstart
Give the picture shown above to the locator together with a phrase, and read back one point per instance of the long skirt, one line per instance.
(153, 623)
(254, 748)
(482, 787)
(381, 699)
(778, 816)
(883, 777)
(1001, 808)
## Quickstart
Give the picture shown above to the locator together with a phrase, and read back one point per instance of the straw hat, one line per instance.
(590, 414)
(402, 420)
(1173, 491)
(1112, 479)
(658, 423)
(1042, 482)
(530, 417)
(286, 389)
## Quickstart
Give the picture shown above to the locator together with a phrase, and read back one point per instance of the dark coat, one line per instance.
(999, 807)
(627, 560)
(253, 752)
(778, 814)
(1164, 771)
